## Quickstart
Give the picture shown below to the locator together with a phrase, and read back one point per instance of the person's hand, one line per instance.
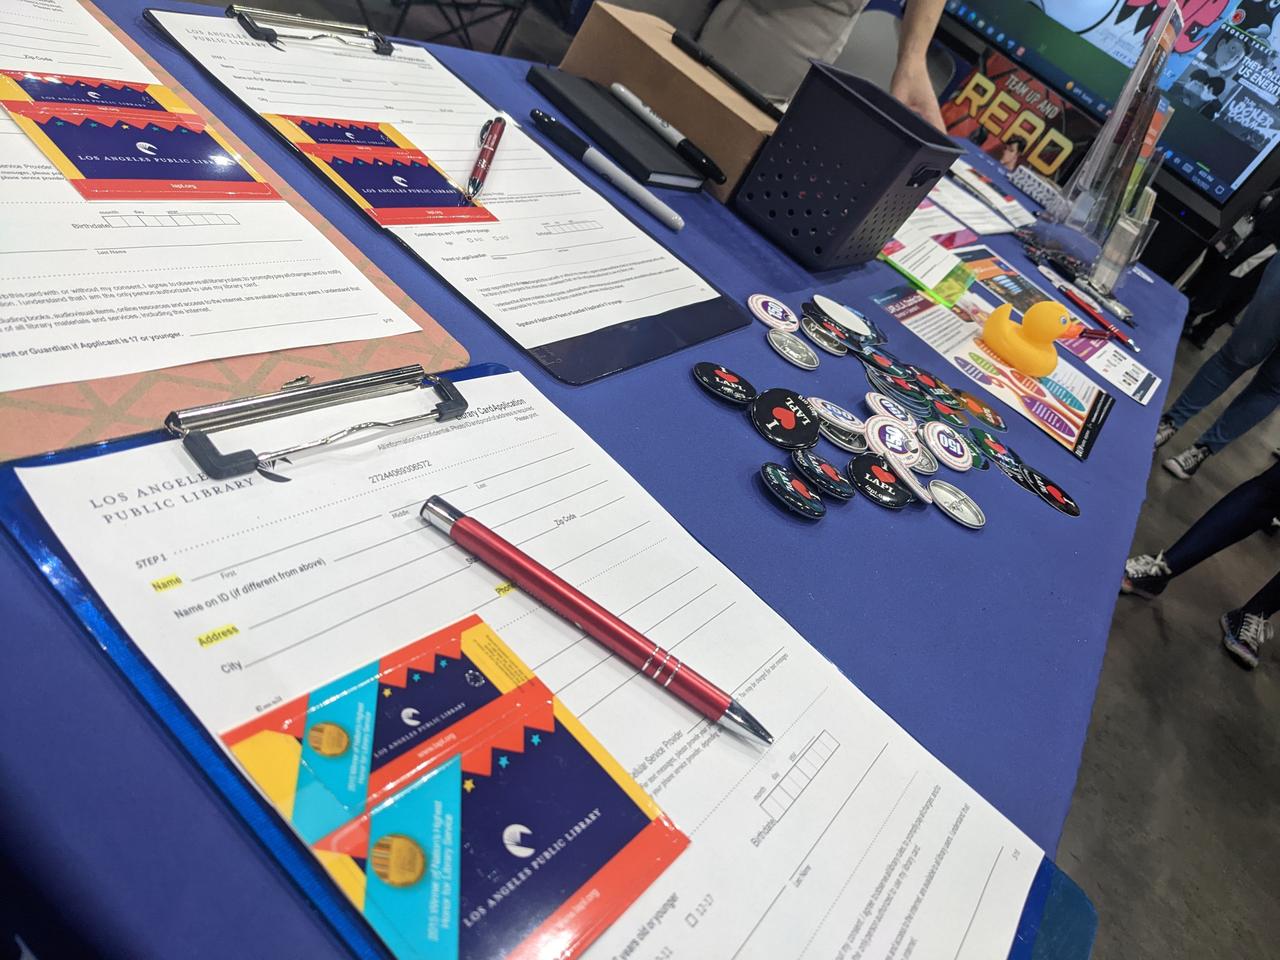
(911, 85)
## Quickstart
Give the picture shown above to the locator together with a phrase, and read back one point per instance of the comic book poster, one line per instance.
(1119, 27)
(1235, 82)
(1015, 118)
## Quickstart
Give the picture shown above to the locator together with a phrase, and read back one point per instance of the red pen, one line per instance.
(584, 613)
(490, 135)
(1085, 304)
(1093, 312)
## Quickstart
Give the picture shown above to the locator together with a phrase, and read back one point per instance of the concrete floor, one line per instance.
(1174, 829)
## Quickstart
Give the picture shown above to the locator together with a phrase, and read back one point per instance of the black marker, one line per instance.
(691, 47)
(683, 145)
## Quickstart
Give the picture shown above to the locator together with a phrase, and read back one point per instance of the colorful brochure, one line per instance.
(1066, 405)
(927, 264)
(115, 153)
(23, 86)
(998, 278)
(375, 165)
(458, 804)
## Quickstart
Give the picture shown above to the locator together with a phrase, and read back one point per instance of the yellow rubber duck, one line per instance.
(1028, 347)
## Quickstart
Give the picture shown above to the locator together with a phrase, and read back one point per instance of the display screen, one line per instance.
(1223, 78)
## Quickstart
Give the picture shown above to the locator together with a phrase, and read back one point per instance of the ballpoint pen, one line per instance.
(490, 136)
(682, 144)
(571, 143)
(1083, 302)
(602, 626)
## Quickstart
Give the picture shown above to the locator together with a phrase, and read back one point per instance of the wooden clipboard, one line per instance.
(68, 414)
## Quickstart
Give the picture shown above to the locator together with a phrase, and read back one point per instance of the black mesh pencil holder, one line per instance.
(845, 168)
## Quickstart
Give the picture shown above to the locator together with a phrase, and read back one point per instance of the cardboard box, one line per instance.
(616, 45)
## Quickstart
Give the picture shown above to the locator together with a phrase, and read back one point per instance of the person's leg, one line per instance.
(1267, 600)
(1241, 512)
(1253, 404)
(1246, 629)
(1256, 336)
(1237, 295)
(1208, 286)
(1255, 339)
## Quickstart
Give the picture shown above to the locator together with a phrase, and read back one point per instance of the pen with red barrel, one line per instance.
(490, 135)
(602, 626)
(1068, 291)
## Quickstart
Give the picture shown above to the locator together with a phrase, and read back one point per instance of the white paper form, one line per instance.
(964, 206)
(60, 36)
(96, 288)
(841, 839)
(560, 262)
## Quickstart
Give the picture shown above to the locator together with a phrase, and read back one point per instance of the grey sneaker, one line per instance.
(1146, 576)
(1243, 635)
(1164, 432)
(1185, 464)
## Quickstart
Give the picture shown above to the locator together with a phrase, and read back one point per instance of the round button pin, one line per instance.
(851, 441)
(982, 411)
(874, 477)
(792, 491)
(724, 384)
(881, 362)
(891, 437)
(980, 460)
(835, 414)
(772, 312)
(784, 419)
(917, 403)
(839, 331)
(906, 390)
(1015, 473)
(936, 390)
(957, 505)
(820, 335)
(947, 445)
(887, 406)
(927, 464)
(853, 321)
(1050, 492)
(822, 475)
(948, 415)
(792, 349)
(990, 445)
(903, 470)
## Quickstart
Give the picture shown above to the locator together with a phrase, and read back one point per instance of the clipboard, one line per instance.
(1055, 911)
(575, 360)
(443, 400)
(69, 414)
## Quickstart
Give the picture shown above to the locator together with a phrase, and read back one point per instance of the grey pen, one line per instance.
(571, 143)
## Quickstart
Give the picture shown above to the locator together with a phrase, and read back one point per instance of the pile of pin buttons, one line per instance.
(916, 423)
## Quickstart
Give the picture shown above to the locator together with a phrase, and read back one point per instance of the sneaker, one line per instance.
(1243, 635)
(1164, 432)
(1146, 576)
(1185, 464)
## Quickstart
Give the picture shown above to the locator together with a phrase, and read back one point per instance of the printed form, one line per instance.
(560, 261)
(96, 288)
(843, 839)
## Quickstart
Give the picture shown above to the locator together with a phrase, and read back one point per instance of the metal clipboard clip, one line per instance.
(195, 424)
(262, 25)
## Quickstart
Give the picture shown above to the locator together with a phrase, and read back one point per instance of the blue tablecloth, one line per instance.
(984, 645)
